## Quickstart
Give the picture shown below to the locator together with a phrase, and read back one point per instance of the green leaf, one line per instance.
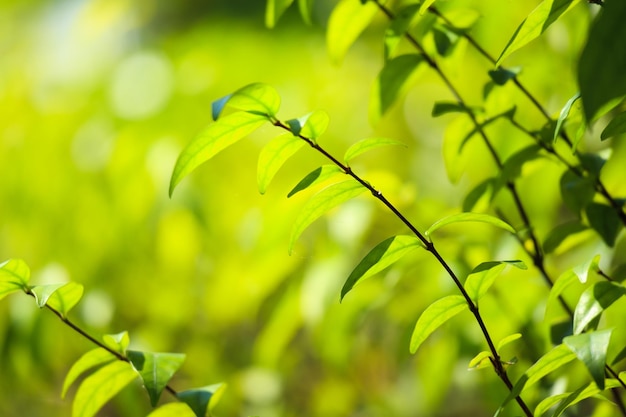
(445, 40)
(383, 255)
(43, 292)
(505, 341)
(89, 360)
(590, 348)
(443, 107)
(173, 410)
(616, 126)
(577, 192)
(66, 297)
(14, 277)
(399, 26)
(347, 20)
(368, 145)
(501, 76)
(155, 369)
(425, 5)
(604, 220)
(512, 167)
(216, 137)
(535, 24)
(311, 126)
(203, 399)
(566, 279)
(561, 232)
(321, 202)
(582, 393)
(602, 64)
(274, 10)
(551, 361)
(507, 114)
(258, 98)
(563, 115)
(434, 316)
(483, 276)
(305, 7)
(392, 83)
(98, 388)
(480, 361)
(118, 341)
(472, 198)
(593, 301)
(315, 177)
(273, 156)
(469, 217)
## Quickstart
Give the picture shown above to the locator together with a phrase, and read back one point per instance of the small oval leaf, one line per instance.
(274, 10)
(434, 316)
(273, 156)
(469, 217)
(368, 145)
(316, 176)
(591, 348)
(155, 369)
(118, 341)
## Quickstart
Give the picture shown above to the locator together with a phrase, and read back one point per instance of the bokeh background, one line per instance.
(98, 97)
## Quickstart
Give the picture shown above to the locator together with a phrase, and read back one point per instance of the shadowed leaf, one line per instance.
(311, 125)
(201, 400)
(315, 177)
(483, 276)
(155, 369)
(173, 410)
(591, 348)
(593, 301)
(14, 277)
(616, 126)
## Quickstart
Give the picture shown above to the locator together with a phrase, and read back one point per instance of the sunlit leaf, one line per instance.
(392, 83)
(273, 156)
(483, 276)
(216, 137)
(311, 125)
(14, 277)
(591, 348)
(398, 27)
(616, 126)
(505, 341)
(315, 177)
(569, 399)
(425, 5)
(563, 115)
(274, 10)
(258, 98)
(561, 232)
(118, 341)
(576, 191)
(593, 301)
(155, 369)
(89, 360)
(173, 410)
(500, 76)
(218, 105)
(536, 23)
(603, 86)
(347, 20)
(43, 292)
(368, 145)
(321, 202)
(66, 297)
(604, 220)
(98, 388)
(383, 255)
(469, 217)
(434, 316)
(483, 189)
(201, 400)
(480, 361)
(512, 167)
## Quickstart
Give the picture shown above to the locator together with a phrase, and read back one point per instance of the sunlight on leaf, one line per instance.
(43, 292)
(469, 217)
(434, 316)
(155, 369)
(274, 10)
(383, 255)
(202, 399)
(591, 348)
(425, 5)
(173, 410)
(66, 297)
(118, 341)
(484, 275)
(368, 145)
(14, 277)
(593, 301)
(316, 176)
(311, 126)
(347, 20)
(273, 156)
(257, 98)
(505, 341)
(563, 115)
(89, 360)
(480, 361)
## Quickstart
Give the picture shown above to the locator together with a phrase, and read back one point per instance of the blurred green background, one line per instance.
(98, 97)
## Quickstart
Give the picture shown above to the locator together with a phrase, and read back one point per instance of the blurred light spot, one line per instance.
(320, 288)
(53, 273)
(97, 309)
(93, 144)
(160, 161)
(350, 221)
(261, 385)
(250, 228)
(195, 73)
(558, 37)
(141, 86)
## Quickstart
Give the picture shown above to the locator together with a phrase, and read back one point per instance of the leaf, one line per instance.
(14, 277)
(505, 341)
(89, 360)
(593, 301)
(155, 369)
(507, 114)
(444, 40)
(257, 98)
(399, 26)
(485, 187)
(561, 232)
(391, 83)
(273, 156)
(173, 410)
(434, 316)
(602, 64)
(98, 388)
(512, 167)
(604, 220)
(454, 136)
(480, 361)
(551, 361)
(563, 115)
(501, 76)
(469, 217)
(566, 279)
(305, 7)
(577, 192)
(118, 341)
(347, 20)
(616, 126)
(43, 292)
(535, 24)
(443, 107)
(483, 276)
(314, 177)
(274, 10)
(425, 5)
(66, 297)
(311, 125)
(368, 145)
(582, 393)
(590, 348)
(203, 399)
(383, 255)
(216, 137)
(321, 202)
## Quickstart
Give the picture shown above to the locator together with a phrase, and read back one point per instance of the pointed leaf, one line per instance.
(305, 7)
(604, 220)
(483, 276)
(311, 126)
(392, 83)
(274, 10)
(582, 393)
(98, 388)
(273, 156)
(399, 26)
(258, 98)
(368, 145)
(315, 177)
(590, 348)
(155, 369)
(203, 399)
(89, 360)
(14, 277)
(434, 316)
(535, 24)
(577, 192)
(321, 202)
(500, 76)
(173, 410)
(507, 340)
(593, 301)
(563, 115)
(425, 5)
(118, 341)
(66, 297)
(512, 167)
(563, 281)
(616, 126)
(43, 292)
(560, 233)
(469, 217)
(216, 137)
(480, 361)
(445, 40)
(347, 20)
(485, 188)
(383, 255)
